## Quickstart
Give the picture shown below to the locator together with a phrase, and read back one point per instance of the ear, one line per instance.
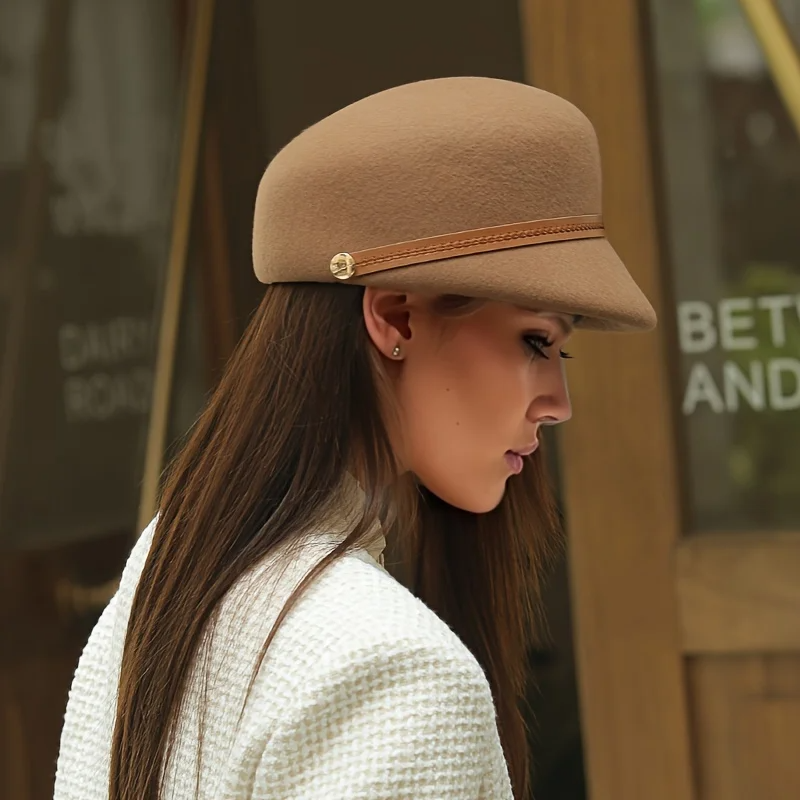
(387, 318)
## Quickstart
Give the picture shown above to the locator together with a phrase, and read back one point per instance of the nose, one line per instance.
(550, 404)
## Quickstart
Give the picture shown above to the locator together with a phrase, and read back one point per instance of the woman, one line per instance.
(430, 250)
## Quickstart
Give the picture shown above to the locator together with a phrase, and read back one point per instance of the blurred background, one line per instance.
(133, 134)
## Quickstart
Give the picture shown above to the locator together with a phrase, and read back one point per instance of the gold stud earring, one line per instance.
(396, 351)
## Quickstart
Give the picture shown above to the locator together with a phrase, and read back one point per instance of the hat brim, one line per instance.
(582, 277)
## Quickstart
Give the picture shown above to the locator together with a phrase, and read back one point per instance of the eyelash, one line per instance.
(538, 344)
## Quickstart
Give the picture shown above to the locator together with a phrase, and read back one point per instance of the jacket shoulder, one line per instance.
(356, 613)
(361, 604)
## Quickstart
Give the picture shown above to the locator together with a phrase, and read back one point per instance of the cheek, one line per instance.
(462, 407)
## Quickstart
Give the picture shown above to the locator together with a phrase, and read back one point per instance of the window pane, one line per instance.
(89, 108)
(731, 175)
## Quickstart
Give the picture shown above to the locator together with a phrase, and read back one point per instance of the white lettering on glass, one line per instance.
(776, 304)
(103, 396)
(768, 382)
(696, 328)
(733, 320)
(780, 400)
(751, 387)
(701, 388)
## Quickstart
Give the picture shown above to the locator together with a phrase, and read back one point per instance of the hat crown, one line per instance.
(419, 160)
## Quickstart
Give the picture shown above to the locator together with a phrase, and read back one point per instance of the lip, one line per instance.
(526, 451)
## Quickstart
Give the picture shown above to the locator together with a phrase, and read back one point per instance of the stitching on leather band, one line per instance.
(434, 248)
(461, 244)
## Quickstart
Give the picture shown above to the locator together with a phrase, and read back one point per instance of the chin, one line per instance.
(479, 501)
(475, 508)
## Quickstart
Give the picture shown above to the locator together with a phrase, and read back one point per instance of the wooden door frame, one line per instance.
(619, 457)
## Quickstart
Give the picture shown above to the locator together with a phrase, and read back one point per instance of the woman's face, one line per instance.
(473, 390)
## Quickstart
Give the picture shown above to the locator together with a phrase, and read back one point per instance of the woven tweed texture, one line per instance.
(365, 693)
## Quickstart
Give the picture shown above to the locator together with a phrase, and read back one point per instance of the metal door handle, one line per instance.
(78, 600)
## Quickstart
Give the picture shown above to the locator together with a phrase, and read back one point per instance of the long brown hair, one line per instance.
(302, 401)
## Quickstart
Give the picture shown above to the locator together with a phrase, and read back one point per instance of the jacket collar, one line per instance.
(347, 512)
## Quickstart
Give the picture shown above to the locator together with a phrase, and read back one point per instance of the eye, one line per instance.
(537, 344)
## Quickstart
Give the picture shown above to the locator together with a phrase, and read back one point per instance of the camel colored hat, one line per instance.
(470, 186)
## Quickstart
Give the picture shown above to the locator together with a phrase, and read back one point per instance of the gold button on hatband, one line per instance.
(343, 266)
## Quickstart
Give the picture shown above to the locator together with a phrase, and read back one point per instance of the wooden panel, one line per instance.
(740, 593)
(620, 487)
(713, 683)
(746, 726)
(42, 633)
(13, 753)
(767, 734)
(33, 694)
(782, 674)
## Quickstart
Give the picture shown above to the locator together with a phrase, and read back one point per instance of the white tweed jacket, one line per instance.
(364, 693)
